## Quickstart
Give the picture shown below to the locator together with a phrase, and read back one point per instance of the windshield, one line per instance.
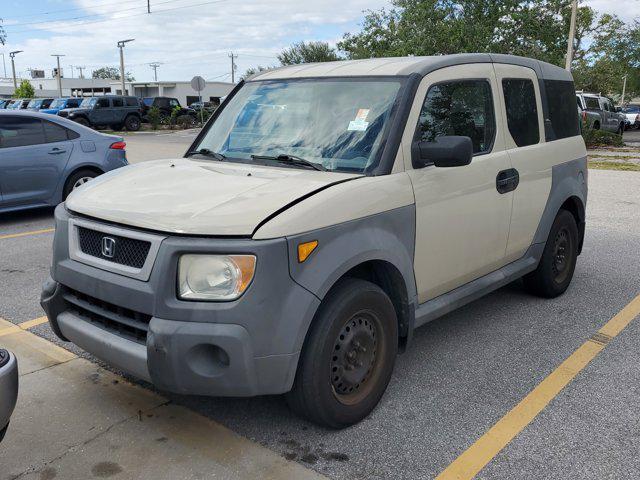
(34, 104)
(338, 123)
(632, 109)
(58, 103)
(88, 102)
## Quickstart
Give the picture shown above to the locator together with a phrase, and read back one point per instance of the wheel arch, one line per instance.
(76, 169)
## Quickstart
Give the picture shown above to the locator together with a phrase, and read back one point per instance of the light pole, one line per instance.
(58, 76)
(624, 90)
(572, 34)
(121, 47)
(13, 67)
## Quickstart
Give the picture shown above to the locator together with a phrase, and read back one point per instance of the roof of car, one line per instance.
(403, 66)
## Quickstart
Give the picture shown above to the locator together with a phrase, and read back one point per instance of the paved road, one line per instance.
(462, 374)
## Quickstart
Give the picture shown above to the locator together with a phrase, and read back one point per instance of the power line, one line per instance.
(120, 2)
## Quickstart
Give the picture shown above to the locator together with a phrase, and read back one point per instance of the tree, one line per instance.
(111, 73)
(308, 52)
(253, 70)
(25, 90)
(3, 34)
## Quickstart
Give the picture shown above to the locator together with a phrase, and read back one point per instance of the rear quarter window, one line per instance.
(563, 117)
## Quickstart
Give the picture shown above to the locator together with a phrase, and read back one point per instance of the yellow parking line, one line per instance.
(478, 455)
(7, 328)
(24, 234)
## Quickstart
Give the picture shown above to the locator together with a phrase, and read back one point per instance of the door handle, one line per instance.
(507, 180)
(56, 151)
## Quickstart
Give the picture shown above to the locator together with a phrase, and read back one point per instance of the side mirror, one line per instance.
(447, 151)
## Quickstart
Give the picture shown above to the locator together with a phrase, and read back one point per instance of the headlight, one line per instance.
(214, 277)
(72, 115)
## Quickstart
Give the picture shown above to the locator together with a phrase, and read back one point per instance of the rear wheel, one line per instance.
(77, 180)
(132, 123)
(558, 262)
(348, 357)
(620, 130)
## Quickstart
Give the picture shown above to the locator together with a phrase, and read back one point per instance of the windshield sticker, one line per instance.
(359, 123)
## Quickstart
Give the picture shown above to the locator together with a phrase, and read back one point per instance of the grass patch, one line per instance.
(625, 167)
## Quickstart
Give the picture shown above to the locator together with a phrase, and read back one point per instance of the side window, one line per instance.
(605, 105)
(73, 103)
(102, 103)
(522, 111)
(132, 102)
(20, 132)
(591, 102)
(562, 113)
(463, 108)
(162, 102)
(173, 103)
(117, 102)
(54, 132)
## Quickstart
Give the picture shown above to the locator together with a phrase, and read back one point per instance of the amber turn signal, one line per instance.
(305, 249)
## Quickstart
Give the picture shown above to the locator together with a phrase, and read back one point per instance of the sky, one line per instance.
(189, 37)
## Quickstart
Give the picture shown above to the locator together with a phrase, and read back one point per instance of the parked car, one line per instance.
(45, 157)
(8, 389)
(37, 104)
(609, 117)
(4, 102)
(113, 111)
(166, 106)
(197, 106)
(19, 104)
(62, 103)
(312, 225)
(632, 115)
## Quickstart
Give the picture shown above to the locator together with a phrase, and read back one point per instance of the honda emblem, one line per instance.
(108, 247)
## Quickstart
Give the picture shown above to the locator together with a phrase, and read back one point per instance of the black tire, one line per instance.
(620, 130)
(78, 176)
(132, 123)
(83, 121)
(356, 319)
(558, 262)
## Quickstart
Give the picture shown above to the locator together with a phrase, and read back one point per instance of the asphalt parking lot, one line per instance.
(462, 375)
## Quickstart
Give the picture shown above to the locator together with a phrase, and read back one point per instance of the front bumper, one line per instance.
(8, 390)
(246, 347)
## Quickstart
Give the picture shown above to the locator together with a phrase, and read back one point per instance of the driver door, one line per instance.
(462, 220)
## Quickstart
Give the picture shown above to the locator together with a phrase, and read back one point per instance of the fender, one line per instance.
(568, 180)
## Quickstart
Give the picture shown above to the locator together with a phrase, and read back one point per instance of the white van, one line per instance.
(322, 214)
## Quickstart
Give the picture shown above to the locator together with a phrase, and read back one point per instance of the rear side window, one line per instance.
(522, 111)
(591, 103)
(57, 133)
(20, 132)
(103, 103)
(462, 108)
(117, 102)
(132, 102)
(562, 111)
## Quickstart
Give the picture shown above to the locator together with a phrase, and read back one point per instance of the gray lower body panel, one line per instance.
(8, 390)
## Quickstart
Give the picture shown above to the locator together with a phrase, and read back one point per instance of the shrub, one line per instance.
(185, 121)
(600, 138)
(155, 117)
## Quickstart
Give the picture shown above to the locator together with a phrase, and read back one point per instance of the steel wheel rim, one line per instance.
(562, 254)
(81, 181)
(356, 357)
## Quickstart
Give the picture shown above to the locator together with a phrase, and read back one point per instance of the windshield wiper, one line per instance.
(207, 152)
(292, 159)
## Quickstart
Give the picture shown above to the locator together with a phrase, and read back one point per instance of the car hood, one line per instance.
(197, 197)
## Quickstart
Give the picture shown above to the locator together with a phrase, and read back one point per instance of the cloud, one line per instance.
(189, 41)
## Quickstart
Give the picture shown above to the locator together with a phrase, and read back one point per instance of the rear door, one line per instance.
(102, 113)
(33, 156)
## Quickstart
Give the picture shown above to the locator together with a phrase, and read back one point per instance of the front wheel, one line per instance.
(558, 262)
(77, 180)
(348, 357)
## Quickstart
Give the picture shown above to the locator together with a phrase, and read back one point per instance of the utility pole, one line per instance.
(233, 67)
(59, 77)
(148, 6)
(624, 90)
(13, 68)
(121, 44)
(572, 34)
(155, 66)
(71, 67)
(80, 70)
(4, 65)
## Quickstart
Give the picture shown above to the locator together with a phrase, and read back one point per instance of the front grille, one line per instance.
(118, 320)
(126, 251)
